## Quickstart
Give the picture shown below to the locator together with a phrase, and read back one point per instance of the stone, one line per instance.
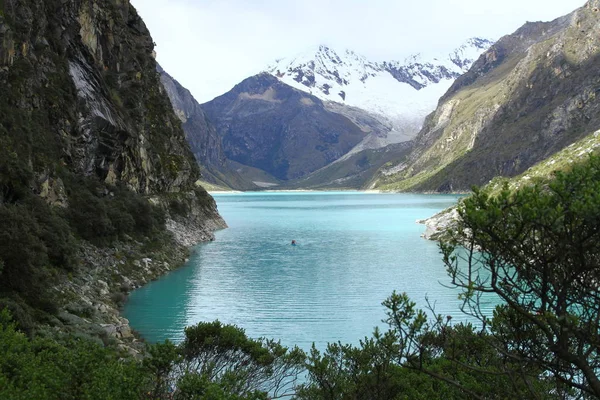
(110, 329)
(125, 332)
(103, 288)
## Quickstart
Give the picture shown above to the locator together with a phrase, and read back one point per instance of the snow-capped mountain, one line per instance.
(402, 92)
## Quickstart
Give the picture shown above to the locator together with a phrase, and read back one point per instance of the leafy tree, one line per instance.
(217, 361)
(418, 358)
(538, 250)
(63, 368)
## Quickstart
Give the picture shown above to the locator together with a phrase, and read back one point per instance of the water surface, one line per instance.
(353, 250)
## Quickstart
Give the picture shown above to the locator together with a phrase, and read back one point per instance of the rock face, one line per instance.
(202, 136)
(438, 226)
(86, 125)
(80, 90)
(530, 95)
(288, 133)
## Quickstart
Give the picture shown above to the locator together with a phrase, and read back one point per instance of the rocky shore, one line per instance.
(438, 225)
(91, 301)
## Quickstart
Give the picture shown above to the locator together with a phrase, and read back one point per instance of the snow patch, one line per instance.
(403, 92)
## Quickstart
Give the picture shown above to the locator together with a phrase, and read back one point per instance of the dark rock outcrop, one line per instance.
(85, 125)
(81, 91)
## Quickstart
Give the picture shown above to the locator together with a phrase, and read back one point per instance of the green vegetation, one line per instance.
(35, 243)
(211, 187)
(62, 368)
(536, 248)
(100, 213)
(417, 358)
(561, 161)
(216, 362)
(39, 242)
(538, 251)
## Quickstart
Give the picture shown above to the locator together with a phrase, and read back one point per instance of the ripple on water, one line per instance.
(353, 250)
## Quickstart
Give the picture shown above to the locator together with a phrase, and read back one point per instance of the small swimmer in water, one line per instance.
(293, 242)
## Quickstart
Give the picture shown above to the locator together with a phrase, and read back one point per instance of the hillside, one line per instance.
(438, 225)
(98, 186)
(530, 95)
(266, 124)
(202, 136)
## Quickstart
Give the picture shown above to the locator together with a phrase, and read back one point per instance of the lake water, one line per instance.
(353, 250)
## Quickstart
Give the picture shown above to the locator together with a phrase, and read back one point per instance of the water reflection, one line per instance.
(353, 251)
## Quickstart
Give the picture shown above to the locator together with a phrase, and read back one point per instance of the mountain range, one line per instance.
(309, 112)
(334, 119)
(401, 93)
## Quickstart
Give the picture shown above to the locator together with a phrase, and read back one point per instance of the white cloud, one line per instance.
(211, 45)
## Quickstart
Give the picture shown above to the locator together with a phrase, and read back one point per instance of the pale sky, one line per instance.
(211, 45)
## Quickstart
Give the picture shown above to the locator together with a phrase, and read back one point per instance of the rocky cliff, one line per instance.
(202, 136)
(271, 126)
(92, 157)
(530, 95)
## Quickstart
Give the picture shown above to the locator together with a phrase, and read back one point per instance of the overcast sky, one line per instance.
(211, 45)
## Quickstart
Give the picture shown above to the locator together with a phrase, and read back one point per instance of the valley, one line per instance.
(156, 243)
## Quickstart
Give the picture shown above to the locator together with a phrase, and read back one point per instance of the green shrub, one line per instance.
(65, 367)
(102, 214)
(24, 254)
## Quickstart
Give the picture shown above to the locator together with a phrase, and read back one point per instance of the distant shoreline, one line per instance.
(370, 191)
(291, 191)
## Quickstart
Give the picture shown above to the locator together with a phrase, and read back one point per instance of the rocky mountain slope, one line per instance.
(94, 167)
(399, 93)
(345, 109)
(202, 136)
(283, 131)
(437, 226)
(530, 95)
(352, 171)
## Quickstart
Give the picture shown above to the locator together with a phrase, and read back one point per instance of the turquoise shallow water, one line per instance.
(353, 250)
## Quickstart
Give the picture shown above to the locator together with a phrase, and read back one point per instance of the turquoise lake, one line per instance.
(353, 250)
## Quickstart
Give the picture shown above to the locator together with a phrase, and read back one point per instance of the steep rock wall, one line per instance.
(86, 125)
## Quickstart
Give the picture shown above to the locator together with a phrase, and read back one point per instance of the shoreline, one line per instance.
(93, 301)
(367, 191)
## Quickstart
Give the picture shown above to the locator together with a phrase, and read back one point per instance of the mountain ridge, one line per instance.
(530, 95)
(202, 136)
(400, 93)
(272, 126)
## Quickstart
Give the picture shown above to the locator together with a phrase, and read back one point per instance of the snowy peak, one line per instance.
(419, 71)
(400, 93)
(320, 67)
(324, 68)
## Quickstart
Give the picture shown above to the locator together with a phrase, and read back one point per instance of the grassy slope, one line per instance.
(353, 172)
(505, 118)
